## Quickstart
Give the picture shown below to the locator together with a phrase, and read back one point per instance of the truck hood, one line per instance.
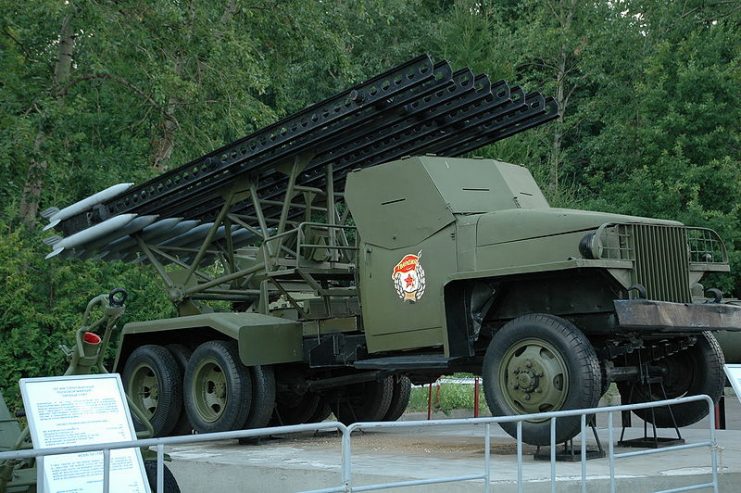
(521, 224)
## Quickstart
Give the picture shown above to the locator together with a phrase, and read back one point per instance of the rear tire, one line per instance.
(263, 397)
(152, 381)
(368, 401)
(323, 411)
(182, 354)
(540, 363)
(399, 398)
(695, 371)
(296, 410)
(218, 388)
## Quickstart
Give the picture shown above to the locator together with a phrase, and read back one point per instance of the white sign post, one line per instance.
(82, 410)
(733, 372)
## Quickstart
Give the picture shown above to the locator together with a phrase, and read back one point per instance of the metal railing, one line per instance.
(346, 480)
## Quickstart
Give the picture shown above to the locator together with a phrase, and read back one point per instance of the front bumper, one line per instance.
(662, 316)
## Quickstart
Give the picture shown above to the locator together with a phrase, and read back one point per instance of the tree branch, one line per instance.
(119, 80)
(20, 45)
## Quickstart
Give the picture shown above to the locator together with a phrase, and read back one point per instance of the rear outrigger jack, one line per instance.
(647, 441)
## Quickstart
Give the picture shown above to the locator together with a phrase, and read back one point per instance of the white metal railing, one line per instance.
(346, 481)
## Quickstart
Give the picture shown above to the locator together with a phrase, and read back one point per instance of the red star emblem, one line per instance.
(409, 280)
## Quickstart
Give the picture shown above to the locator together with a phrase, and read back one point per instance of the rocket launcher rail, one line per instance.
(417, 107)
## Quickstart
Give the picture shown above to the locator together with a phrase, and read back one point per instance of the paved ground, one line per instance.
(309, 461)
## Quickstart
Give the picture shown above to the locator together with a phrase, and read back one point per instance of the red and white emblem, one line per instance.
(409, 278)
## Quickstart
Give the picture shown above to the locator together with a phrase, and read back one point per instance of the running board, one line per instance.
(412, 362)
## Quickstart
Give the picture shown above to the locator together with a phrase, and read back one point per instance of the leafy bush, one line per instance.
(42, 303)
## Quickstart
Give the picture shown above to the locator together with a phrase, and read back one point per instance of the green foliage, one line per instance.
(648, 89)
(42, 304)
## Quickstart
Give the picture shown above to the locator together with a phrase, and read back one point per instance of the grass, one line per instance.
(445, 398)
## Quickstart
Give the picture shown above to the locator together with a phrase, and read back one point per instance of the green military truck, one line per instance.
(318, 269)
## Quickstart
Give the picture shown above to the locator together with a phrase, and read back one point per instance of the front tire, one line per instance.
(540, 363)
(695, 371)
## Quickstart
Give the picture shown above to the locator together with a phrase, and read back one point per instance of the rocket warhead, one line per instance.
(93, 233)
(55, 216)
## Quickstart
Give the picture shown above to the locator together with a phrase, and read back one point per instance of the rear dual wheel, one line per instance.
(152, 381)
(221, 394)
(384, 400)
(400, 395)
(294, 409)
(182, 354)
(206, 390)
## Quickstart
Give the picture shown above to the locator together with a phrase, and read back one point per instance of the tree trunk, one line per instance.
(555, 161)
(565, 10)
(162, 147)
(34, 185)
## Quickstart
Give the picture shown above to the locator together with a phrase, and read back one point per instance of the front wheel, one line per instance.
(540, 363)
(696, 370)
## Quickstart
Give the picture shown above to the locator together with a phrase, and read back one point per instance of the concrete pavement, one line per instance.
(309, 461)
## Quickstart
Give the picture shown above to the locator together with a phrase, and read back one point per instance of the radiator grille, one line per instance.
(661, 262)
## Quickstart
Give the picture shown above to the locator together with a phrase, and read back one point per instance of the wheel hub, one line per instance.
(144, 388)
(534, 376)
(527, 379)
(211, 393)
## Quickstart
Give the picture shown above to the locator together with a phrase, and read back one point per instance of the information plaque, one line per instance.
(733, 372)
(82, 410)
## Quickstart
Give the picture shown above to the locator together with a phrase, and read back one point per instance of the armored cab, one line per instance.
(416, 229)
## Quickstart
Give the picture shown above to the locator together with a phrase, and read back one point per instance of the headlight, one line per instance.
(591, 246)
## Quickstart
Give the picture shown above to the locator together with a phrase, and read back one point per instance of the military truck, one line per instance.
(318, 269)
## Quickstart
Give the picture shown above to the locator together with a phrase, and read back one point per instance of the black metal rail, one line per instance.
(415, 108)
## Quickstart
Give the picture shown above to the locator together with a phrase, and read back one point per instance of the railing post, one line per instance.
(487, 458)
(346, 459)
(583, 453)
(611, 452)
(160, 468)
(520, 486)
(553, 455)
(713, 444)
